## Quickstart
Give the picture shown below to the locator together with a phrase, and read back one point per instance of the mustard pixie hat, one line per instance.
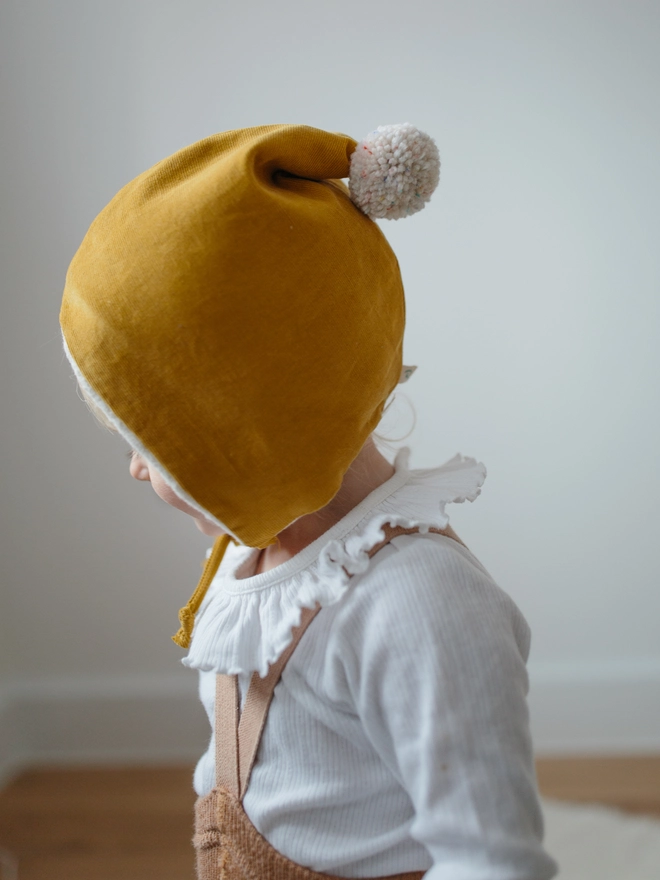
(238, 315)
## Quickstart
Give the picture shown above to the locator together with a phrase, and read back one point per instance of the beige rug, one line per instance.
(599, 843)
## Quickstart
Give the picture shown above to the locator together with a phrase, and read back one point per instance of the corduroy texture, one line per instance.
(243, 319)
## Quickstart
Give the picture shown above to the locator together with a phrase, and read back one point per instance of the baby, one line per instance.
(236, 314)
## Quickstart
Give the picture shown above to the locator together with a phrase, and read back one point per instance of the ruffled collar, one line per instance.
(245, 623)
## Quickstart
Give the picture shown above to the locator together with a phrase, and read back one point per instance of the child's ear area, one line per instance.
(138, 468)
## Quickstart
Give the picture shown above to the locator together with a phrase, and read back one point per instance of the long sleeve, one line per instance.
(434, 656)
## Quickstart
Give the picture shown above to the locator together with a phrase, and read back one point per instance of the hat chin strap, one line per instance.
(187, 613)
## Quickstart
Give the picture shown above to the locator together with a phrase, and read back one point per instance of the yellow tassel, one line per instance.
(187, 614)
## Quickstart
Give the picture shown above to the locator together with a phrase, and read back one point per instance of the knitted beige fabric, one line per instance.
(228, 845)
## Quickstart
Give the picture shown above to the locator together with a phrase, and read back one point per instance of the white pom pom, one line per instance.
(394, 171)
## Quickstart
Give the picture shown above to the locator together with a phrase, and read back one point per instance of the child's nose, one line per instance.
(138, 468)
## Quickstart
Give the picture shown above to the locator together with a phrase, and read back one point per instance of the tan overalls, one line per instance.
(228, 845)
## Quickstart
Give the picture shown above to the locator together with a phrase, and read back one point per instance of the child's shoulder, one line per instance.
(426, 563)
(429, 583)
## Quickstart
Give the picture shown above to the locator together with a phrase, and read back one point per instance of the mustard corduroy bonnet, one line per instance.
(238, 315)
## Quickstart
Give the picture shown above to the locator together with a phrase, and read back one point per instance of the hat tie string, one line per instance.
(187, 613)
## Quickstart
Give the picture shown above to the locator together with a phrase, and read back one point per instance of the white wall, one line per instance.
(532, 283)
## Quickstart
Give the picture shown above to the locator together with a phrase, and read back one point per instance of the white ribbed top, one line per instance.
(398, 737)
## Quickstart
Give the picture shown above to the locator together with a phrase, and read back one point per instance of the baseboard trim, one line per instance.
(106, 721)
(11, 758)
(587, 711)
(160, 720)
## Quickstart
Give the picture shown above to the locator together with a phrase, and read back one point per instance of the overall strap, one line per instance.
(396, 531)
(237, 742)
(226, 732)
(257, 703)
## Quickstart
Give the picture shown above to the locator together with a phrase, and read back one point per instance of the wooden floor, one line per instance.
(136, 824)
(631, 784)
(83, 824)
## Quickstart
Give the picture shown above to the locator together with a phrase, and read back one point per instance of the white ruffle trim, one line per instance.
(245, 624)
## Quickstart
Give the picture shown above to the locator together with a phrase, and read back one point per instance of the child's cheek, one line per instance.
(168, 495)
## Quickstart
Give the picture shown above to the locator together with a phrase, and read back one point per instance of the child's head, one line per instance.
(239, 320)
